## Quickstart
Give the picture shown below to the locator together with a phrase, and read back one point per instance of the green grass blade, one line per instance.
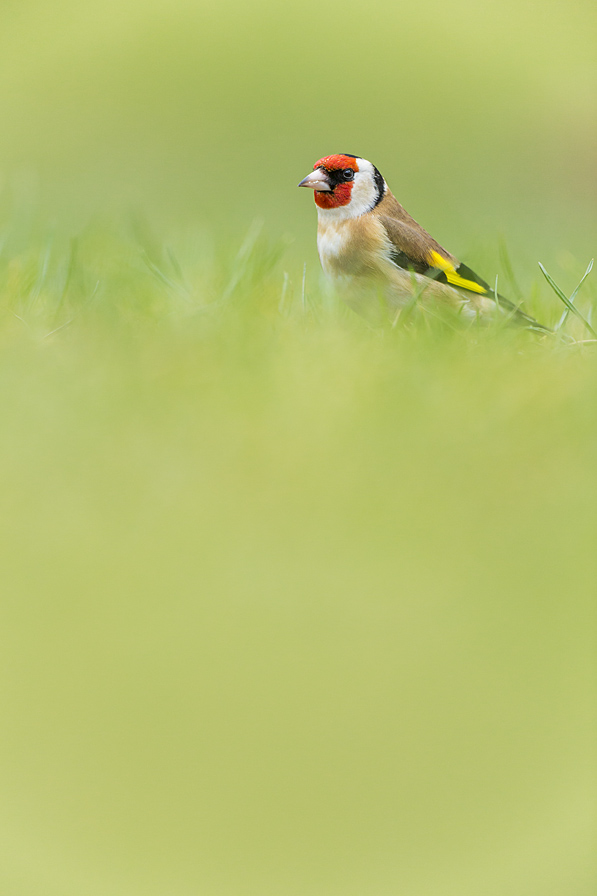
(72, 262)
(564, 316)
(582, 280)
(564, 298)
(160, 275)
(509, 271)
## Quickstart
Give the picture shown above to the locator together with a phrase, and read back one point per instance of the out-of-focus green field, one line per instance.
(291, 605)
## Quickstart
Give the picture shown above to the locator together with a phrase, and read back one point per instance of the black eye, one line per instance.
(348, 174)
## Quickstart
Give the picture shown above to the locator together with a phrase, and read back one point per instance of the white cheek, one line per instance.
(363, 194)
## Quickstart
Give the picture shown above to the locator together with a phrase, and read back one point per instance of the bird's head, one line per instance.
(345, 186)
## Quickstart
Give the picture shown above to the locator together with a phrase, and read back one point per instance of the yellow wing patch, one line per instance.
(453, 278)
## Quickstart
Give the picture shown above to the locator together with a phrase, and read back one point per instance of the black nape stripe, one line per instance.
(379, 185)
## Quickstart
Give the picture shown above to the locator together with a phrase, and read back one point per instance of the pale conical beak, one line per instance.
(317, 180)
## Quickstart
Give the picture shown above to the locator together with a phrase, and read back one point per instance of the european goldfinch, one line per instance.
(364, 236)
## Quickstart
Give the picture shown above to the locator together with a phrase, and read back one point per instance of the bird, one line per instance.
(365, 239)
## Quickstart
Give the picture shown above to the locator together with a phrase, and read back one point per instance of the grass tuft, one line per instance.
(274, 575)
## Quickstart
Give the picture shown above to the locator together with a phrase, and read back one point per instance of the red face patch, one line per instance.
(337, 163)
(338, 197)
(341, 193)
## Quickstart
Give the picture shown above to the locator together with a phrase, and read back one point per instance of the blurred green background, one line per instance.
(481, 116)
(291, 606)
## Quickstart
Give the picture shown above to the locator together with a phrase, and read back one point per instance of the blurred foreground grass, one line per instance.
(290, 605)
